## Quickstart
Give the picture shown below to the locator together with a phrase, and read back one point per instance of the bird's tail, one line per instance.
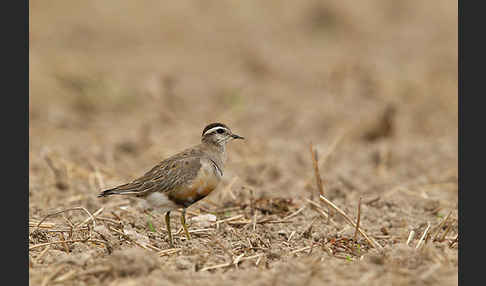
(116, 191)
(107, 193)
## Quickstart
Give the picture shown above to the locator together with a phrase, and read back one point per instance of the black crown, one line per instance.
(212, 125)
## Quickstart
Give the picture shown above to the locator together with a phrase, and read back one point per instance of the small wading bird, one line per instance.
(183, 179)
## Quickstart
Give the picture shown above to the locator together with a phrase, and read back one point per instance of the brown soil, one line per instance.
(117, 86)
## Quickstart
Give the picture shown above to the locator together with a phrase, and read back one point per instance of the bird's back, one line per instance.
(171, 175)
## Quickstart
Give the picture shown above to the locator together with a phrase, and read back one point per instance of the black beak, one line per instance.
(236, 136)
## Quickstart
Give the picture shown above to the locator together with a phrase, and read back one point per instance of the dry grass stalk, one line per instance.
(129, 239)
(110, 220)
(299, 250)
(266, 244)
(216, 267)
(249, 242)
(315, 162)
(200, 230)
(357, 222)
(307, 230)
(217, 223)
(370, 240)
(67, 241)
(318, 208)
(70, 209)
(69, 222)
(254, 221)
(41, 225)
(421, 241)
(235, 261)
(263, 221)
(320, 187)
(61, 238)
(169, 251)
(95, 214)
(252, 201)
(291, 235)
(153, 247)
(441, 224)
(258, 260)
(454, 241)
(294, 213)
(312, 248)
(446, 232)
(411, 236)
(328, 250)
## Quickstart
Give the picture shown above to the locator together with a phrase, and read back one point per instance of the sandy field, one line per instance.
(370, 87)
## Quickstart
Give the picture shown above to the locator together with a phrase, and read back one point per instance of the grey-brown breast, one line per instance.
(206, 180)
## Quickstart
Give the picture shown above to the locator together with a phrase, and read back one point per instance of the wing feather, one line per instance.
(169, 174)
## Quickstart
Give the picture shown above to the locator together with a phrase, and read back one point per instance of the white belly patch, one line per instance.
(160, 201)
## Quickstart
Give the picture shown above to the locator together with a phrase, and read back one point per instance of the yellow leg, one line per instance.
(183, 222)
(167, 223)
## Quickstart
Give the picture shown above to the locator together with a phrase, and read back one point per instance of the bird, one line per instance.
(184, 178)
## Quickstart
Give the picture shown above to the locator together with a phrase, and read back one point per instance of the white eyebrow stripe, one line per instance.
(214, 129)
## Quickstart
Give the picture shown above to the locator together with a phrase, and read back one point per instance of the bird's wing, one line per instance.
(165, 176)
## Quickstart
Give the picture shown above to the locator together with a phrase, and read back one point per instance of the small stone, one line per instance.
(204, 220)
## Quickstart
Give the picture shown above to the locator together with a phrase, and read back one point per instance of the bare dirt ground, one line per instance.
(117, 86)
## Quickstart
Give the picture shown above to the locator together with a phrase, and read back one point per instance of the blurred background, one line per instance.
(126, 83)
(122, 84)
(116, 86)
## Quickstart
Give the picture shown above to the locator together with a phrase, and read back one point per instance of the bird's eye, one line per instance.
(220, 131)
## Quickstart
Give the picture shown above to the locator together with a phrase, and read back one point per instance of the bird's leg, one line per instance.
(167, 222)
(183, 222)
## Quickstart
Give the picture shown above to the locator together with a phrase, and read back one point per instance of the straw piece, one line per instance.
(411, 236)
(372, 242)
(237, 260)
(357, 222)
(419, 244)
